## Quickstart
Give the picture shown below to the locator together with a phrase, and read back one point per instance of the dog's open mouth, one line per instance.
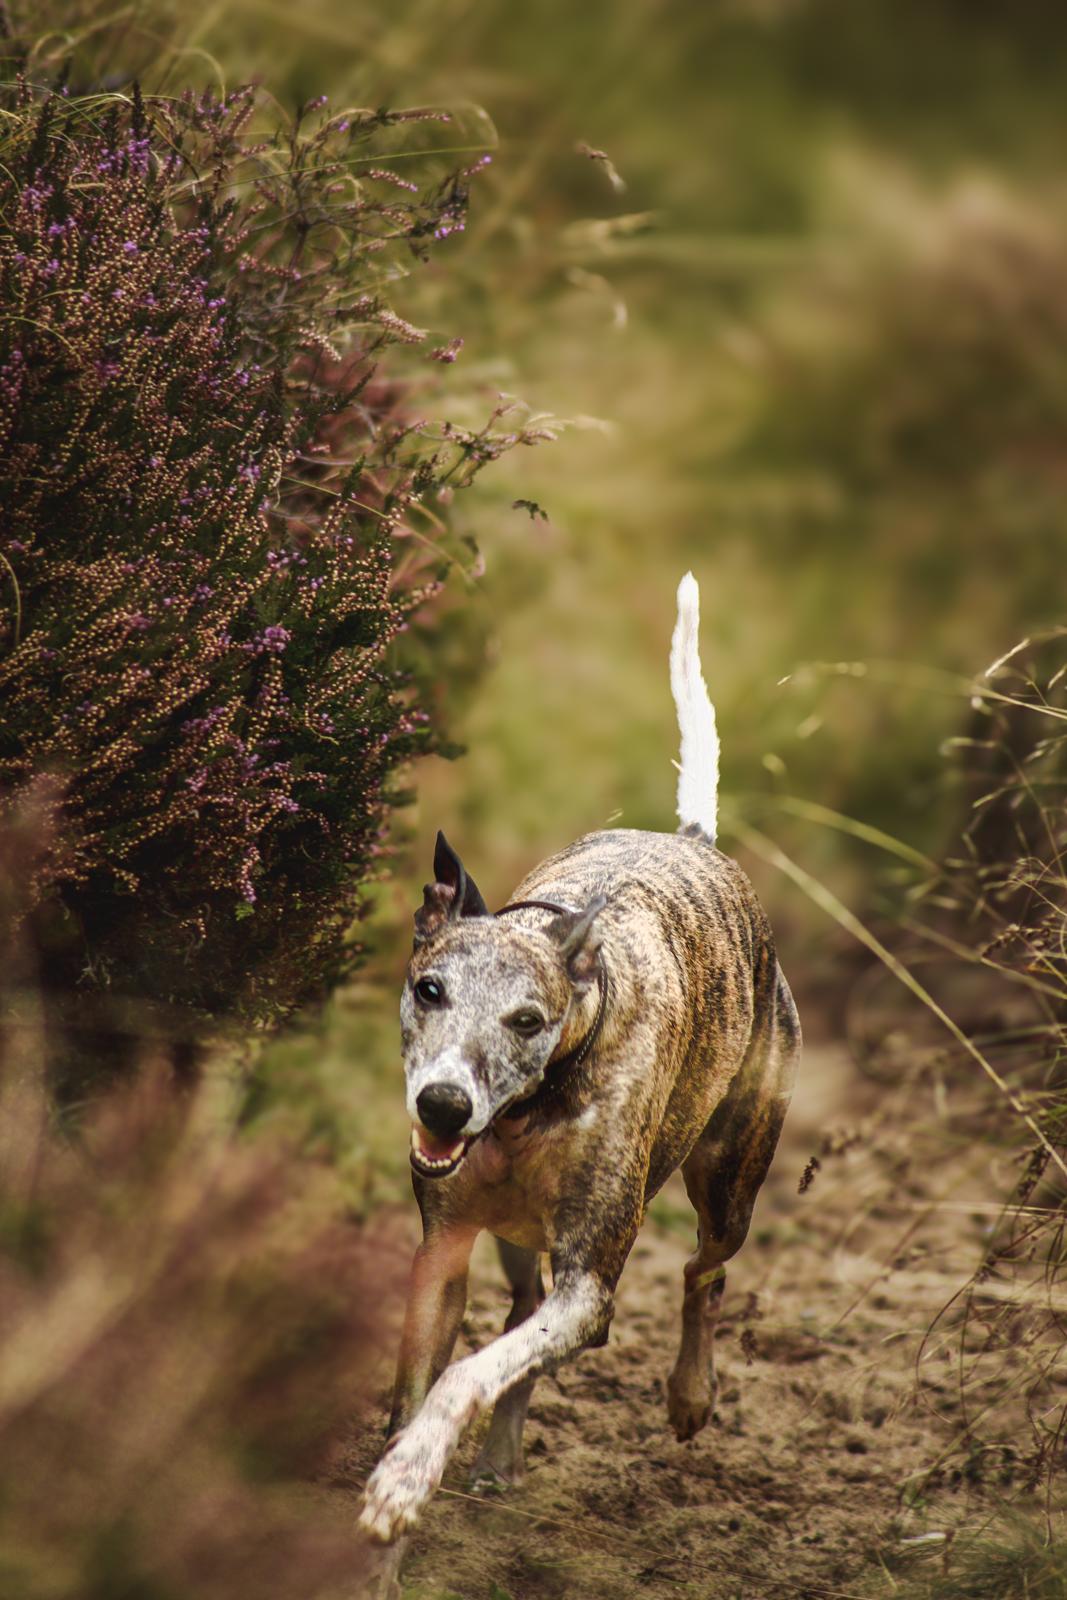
(433, 1157)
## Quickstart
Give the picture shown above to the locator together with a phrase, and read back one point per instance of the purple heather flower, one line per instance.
(274, 639)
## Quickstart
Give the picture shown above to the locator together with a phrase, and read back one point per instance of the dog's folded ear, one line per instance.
(452, 894)
(579, 941)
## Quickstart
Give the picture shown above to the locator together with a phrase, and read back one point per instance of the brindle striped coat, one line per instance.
(562, 1060)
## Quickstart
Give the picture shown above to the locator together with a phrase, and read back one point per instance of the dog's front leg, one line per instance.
(437, 1298)
(572, 1316)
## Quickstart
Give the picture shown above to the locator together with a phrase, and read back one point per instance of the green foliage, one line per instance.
(207, 553)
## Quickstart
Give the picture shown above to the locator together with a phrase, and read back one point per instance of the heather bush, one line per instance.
(210, 539)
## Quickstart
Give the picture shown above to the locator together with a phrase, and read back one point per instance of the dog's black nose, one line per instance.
(443, 1108)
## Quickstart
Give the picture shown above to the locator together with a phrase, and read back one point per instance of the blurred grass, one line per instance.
(834, 395)
(814, 350)
(806, 367)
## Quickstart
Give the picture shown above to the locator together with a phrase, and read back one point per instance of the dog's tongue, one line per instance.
(433, 1148)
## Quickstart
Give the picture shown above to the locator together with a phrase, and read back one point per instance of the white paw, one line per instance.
(391, 1505)
(404, 1480)
(414, 1463)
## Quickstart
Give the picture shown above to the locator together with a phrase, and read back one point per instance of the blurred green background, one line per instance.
(808, 324)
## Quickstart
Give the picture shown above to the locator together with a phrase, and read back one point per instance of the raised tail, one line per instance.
(698, 765)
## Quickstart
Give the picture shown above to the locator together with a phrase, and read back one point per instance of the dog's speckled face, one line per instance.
(481, 1013)
(480, 1016)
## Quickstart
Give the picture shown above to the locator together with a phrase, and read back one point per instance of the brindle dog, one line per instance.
(623, 1016)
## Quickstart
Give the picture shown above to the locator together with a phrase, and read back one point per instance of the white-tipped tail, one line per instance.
(698, 765)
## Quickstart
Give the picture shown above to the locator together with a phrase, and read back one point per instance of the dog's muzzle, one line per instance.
(437, 1146)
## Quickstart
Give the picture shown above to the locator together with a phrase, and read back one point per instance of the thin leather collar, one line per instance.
(537, 905)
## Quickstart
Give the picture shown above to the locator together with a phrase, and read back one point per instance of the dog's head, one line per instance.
(483, 1008)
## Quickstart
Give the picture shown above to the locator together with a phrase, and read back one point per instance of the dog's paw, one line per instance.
(688, 1420)
(489, 1479)
(689, 1406)
(394, 1497)
(406, 1477)
(414, 1462)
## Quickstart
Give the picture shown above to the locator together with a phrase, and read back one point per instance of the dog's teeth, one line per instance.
(425, 1162)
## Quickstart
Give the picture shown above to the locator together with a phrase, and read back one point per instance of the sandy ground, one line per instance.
(812, 1473)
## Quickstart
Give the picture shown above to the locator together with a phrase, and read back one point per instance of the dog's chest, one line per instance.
(510, 1183)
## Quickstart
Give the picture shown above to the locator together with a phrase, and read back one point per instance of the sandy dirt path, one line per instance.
(805, 1480)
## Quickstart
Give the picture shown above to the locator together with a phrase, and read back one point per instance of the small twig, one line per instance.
(18, 596)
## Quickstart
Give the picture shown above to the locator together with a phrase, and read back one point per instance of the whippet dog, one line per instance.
(623, 1015)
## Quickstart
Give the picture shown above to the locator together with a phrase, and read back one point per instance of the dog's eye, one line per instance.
(429, 992)
(526, 1022)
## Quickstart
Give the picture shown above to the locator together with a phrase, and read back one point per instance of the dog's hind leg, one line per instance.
(500, 1459)
(723, 1173)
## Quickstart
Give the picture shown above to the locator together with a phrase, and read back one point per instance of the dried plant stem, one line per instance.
(827, 901)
